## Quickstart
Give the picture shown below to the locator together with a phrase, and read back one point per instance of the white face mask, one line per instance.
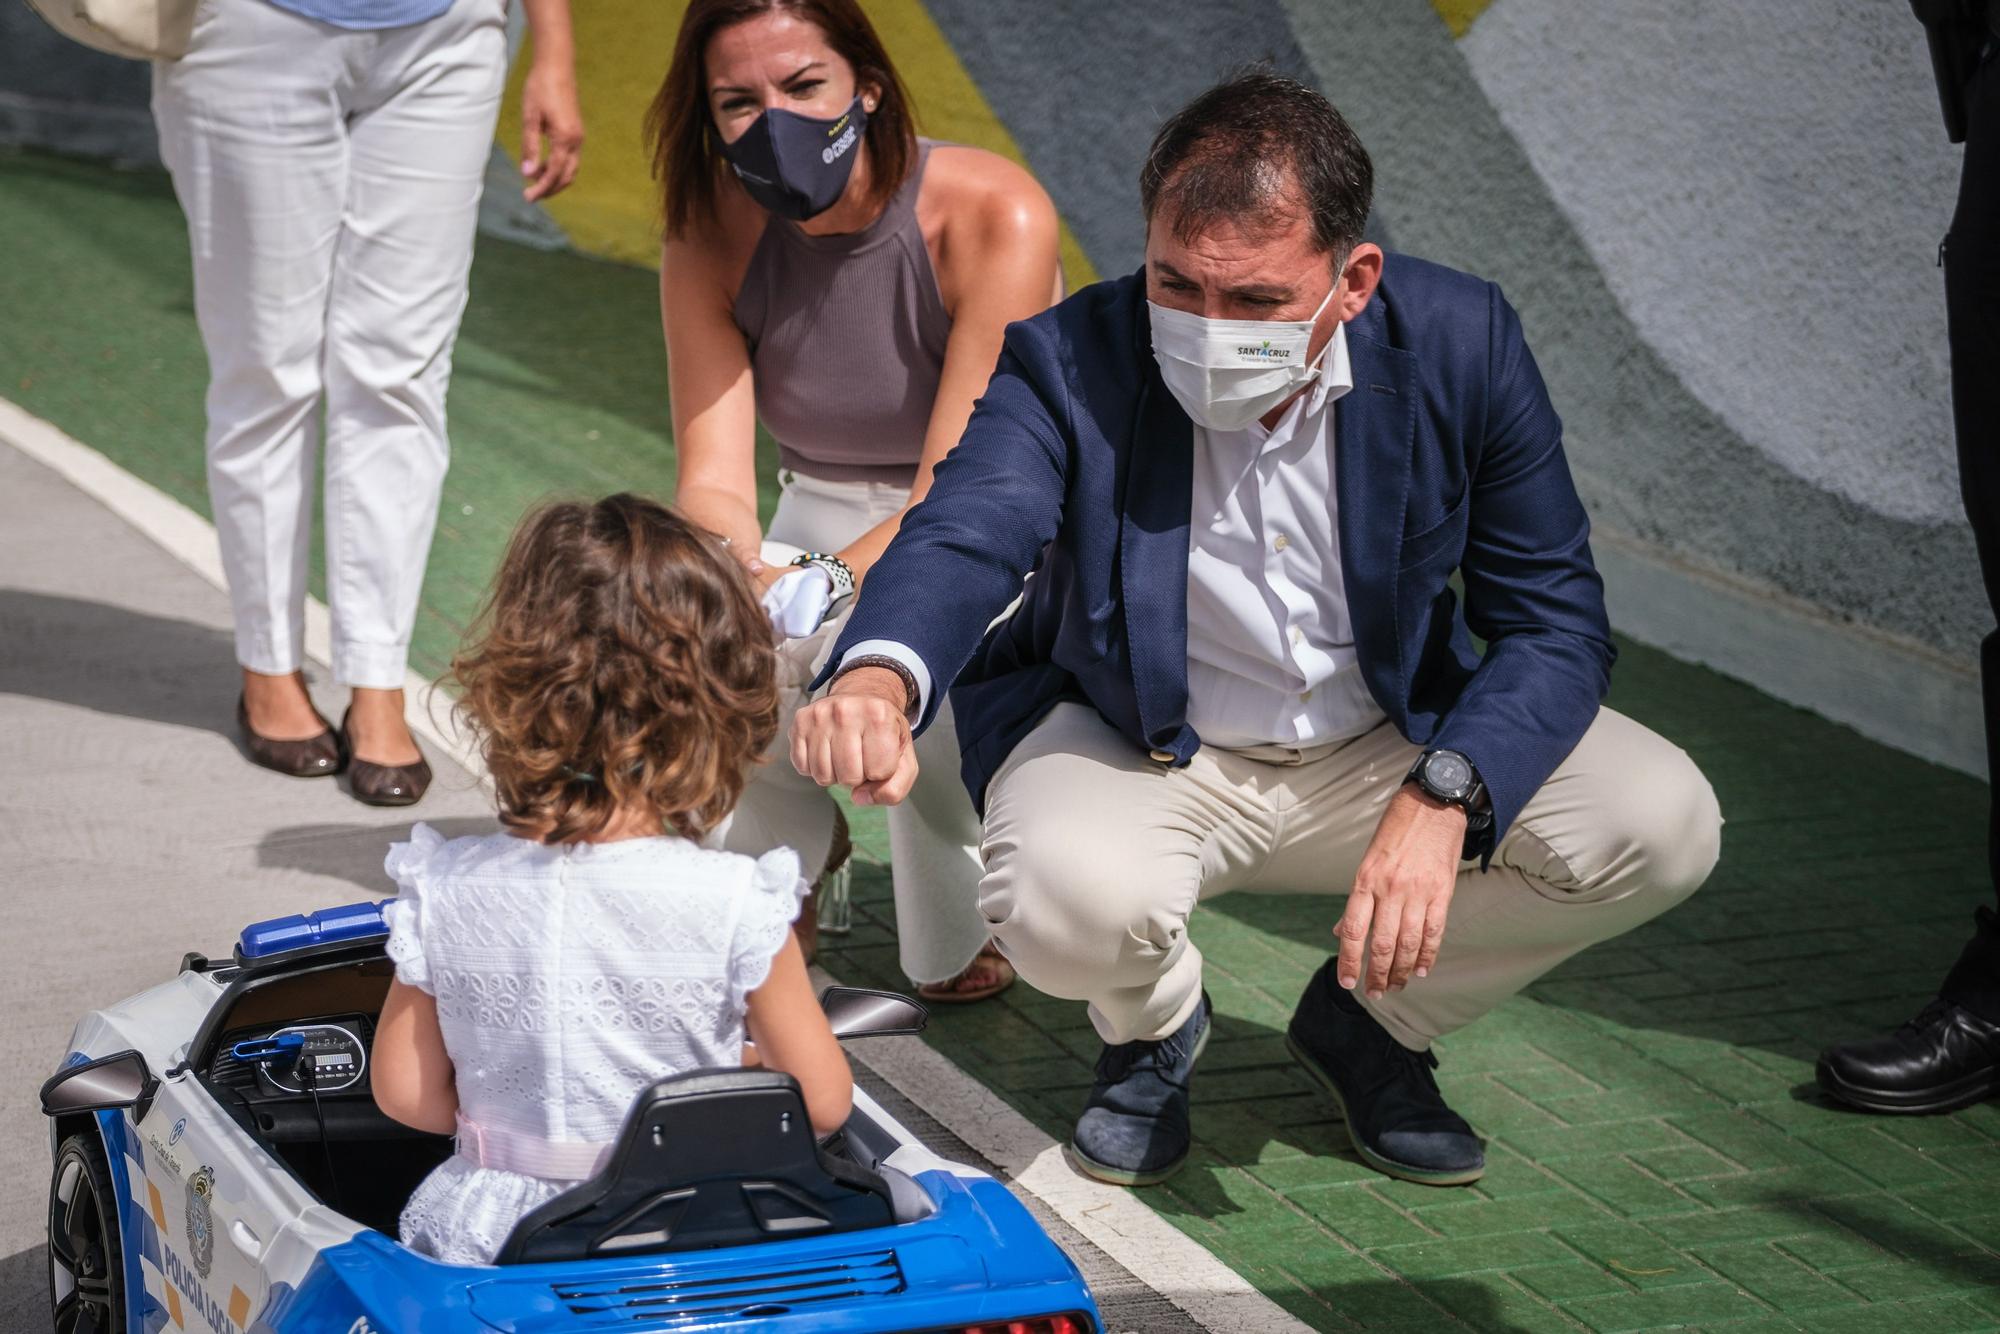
(1226, 374)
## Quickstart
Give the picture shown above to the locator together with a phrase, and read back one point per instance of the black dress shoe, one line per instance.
(320, 756)
(383, 784)
(1944, 1059)
(1134, 1127)
(1396, 1117)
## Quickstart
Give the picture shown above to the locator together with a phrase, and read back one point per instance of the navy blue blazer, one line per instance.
(1077, 464)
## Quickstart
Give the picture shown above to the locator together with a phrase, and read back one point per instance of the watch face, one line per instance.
(1447, 772)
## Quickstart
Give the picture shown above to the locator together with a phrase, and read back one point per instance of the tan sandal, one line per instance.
(951, 992)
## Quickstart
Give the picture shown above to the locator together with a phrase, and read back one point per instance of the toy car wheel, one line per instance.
(86, 1262)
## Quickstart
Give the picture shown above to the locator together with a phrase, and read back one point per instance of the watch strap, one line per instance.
(837, 570)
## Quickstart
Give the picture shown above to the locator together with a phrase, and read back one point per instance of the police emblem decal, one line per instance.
(201, 1221)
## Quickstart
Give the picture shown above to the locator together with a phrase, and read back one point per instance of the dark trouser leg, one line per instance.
(1972, 304)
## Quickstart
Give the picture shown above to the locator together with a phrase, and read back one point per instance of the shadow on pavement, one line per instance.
(24, 1287)
(115, 660)
(1415, 1304)
(1904, 1236)
(354, 852)
(1402, 1304)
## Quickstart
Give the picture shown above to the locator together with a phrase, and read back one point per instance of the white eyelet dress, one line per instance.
(568, 979)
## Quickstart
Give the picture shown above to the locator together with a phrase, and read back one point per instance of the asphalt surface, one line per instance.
(132, 829)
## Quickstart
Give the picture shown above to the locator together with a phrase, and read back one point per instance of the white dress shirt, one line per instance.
(1271, 657)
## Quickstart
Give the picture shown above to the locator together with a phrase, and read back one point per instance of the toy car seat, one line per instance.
(707, 1158)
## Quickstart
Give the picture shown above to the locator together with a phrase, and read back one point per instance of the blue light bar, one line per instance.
(328, 926)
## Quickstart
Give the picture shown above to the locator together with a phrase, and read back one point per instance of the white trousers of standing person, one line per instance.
(934, 833)
(331, 184)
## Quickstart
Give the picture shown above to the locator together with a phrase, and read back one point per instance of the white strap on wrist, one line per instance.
(798, 601)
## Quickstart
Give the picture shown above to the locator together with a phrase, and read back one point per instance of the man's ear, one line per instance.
(1357, 285)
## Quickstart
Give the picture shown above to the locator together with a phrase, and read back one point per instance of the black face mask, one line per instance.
(796, 166)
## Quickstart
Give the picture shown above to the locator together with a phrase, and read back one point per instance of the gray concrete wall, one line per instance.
(56, 94)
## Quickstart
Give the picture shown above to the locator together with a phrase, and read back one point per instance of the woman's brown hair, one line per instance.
(687, 156)
(622, 659)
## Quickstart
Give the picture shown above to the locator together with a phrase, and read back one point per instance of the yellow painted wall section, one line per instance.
(1459, 15)
(622, 54)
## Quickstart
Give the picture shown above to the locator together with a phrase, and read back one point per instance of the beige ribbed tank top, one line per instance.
(847, 336)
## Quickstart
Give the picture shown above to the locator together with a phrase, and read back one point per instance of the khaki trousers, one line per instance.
(1095, 856)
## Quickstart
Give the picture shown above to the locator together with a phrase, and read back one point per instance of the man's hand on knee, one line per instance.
(1395, 915)
(857, 736)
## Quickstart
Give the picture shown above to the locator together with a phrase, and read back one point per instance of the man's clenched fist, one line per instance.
(857, 736)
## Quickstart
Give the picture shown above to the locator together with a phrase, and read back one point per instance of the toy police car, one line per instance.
(220, 1165)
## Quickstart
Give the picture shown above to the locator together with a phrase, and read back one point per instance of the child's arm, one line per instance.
(792, 1035)
(413, 1077)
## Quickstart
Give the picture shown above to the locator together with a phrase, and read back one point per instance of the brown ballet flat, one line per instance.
(320, 756)
(383, 784)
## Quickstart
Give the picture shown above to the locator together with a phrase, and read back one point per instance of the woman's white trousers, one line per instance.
(331, 184)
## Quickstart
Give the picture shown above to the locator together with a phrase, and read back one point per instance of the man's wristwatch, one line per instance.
(1447, 776)
(912, 696)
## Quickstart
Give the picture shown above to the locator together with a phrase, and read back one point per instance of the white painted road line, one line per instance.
(1110, 1217)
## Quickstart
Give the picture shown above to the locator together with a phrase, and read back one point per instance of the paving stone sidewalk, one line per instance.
(1657, 1157)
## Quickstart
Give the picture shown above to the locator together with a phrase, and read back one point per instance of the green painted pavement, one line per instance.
(1654, 1163)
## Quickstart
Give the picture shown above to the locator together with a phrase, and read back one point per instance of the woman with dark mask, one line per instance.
(846, 283)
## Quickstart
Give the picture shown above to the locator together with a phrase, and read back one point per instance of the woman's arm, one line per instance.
(551, 120)
(412, 1073)
(997, 263)
(792, 1035)
(715, 407)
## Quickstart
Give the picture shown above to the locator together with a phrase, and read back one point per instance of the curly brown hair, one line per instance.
(622, 659)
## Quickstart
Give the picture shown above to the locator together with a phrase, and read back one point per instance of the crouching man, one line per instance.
(1242, 479)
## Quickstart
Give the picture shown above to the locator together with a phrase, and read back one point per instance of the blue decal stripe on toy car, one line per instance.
(126, 1183)
(149, 1241)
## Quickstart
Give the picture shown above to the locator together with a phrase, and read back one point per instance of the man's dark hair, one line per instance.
(1246, 144)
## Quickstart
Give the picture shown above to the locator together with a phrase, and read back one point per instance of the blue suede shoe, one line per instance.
(1134, 1129)
(1396, 1118)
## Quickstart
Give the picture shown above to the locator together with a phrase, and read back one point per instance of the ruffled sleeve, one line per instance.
(408, 864)
(769, 907)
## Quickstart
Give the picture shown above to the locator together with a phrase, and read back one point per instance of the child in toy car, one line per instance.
(547, 974)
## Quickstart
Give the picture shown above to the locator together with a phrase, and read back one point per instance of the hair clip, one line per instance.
(579, 775)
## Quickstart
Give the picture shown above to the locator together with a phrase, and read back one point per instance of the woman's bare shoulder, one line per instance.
(988, 193)
(718, 248)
